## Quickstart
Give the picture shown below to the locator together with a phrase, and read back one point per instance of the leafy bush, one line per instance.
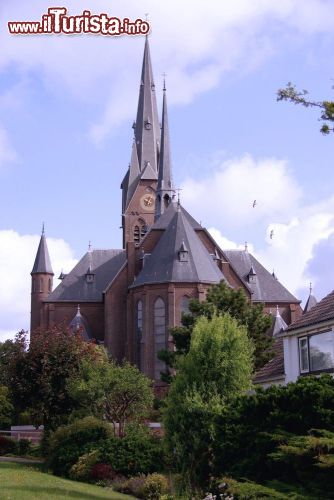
(81, 470)
(102, 472)
(70, 442)
(255, 425)
(24, 447)
(132, 486)
(155, 485)
(250, 491)
(7, 445)
(138, 452)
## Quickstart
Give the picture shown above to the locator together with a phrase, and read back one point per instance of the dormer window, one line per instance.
(90, 275)
(252, 278)
(183, 253)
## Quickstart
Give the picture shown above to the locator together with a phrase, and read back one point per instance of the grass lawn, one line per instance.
(20, 482)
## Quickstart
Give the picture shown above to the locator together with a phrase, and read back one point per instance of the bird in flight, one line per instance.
(271, 234)
(254, 203)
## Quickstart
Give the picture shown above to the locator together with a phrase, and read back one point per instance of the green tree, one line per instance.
(119, 394)
(221, 298)
(6, 408)
(38, 377)
(217, 368)
(291, 94)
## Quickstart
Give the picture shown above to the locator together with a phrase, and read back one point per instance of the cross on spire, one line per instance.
(164, 77)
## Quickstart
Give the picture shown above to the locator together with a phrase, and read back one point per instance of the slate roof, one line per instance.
(266, 287)
(274, 369)
(42, 262)
(311, 302)
(164, 265)
(322, 311)
(80, 324)
(165, 219)
(105, 265)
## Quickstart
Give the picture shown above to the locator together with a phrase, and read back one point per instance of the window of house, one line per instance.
(138, 334)
(316, 352)
(184, 305)
(159, 335)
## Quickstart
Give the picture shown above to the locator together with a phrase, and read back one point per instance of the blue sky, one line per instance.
(66, 109)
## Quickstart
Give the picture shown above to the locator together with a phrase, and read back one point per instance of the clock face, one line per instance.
(147, 201)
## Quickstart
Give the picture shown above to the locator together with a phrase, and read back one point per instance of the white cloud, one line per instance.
(17, 254)
(302, 233)
(227, 194)
(7, 152)
(216, 38)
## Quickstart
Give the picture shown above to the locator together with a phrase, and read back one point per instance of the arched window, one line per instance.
(166, 200)
(159, 335)
(138, 334)
(41, 285)
(143, 231)
(184, 305)
(136, 234)
(50, 286)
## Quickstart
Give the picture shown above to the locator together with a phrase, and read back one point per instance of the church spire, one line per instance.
(42, 262)
(146, 126)
(165, 189)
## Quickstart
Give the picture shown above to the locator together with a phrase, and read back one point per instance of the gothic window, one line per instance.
(159, 335)
(138, 334)
(184, 305)
(41, 285)
(50, 286)
(166, 200)
(143, 231)
(136, 234)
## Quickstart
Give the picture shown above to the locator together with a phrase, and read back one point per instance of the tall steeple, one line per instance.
(140, 182)
(165, 189)
(146, 126)
(41, 282)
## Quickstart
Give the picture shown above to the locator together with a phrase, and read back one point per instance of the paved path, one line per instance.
(19, 460)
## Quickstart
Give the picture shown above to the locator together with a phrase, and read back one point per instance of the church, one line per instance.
(129, 298)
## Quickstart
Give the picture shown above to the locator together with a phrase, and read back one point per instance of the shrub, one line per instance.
(7, 445)
(155, 485)
(132, 486)
(24, 447)
(82, 468)
(102, 472)
(138, 452)
(67, 444)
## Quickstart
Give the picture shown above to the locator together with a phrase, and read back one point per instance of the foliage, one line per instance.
(24, 447)
(82, 468)
(117, 393)
(217, 369)
(256, 425)
(6, 408)
(155, 486)
(133, 485)
(137, 452)
(70, 442)
(222, 299)
(247, 490)
(102, 472)
(290, 93)
(7, 445)
(38, 378)
(25, 482)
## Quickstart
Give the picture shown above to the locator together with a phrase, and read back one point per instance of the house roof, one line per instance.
(104, 264)
(266, 287)
(164, 264)
(274, 369)
(322, 311)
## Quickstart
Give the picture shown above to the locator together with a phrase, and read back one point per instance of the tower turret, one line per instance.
(165, 189)
(41, 283)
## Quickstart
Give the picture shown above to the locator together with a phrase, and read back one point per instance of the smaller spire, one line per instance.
(279, 323)
(311, 301)
(42, 262)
